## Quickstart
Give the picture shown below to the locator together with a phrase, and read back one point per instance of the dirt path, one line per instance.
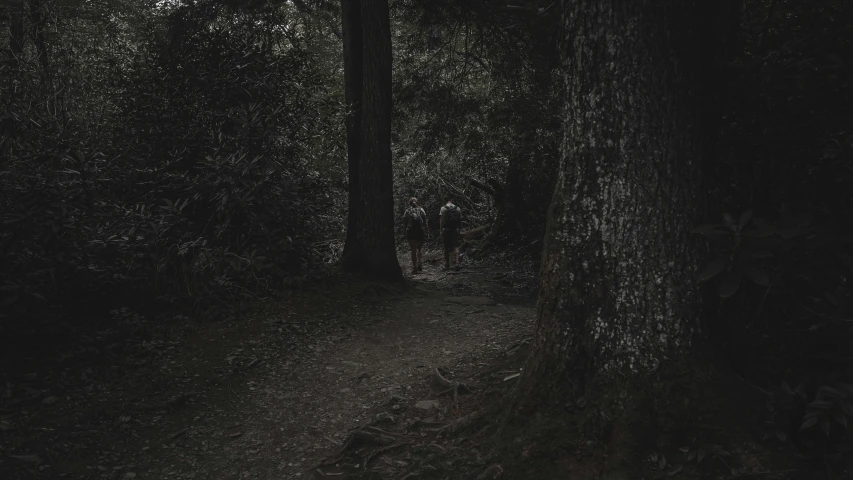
(269, 396)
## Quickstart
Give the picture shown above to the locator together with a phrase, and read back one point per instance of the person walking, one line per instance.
(417, 230)
(450, 223)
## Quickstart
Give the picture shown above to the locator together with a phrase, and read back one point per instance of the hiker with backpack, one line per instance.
(451, 221)
(417, 230)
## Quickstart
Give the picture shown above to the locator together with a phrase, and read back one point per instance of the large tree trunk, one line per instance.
(352, 39)
(617, 295)
(372, 249)
(377, 178)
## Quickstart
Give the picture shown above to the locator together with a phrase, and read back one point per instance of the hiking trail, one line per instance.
(274, 393)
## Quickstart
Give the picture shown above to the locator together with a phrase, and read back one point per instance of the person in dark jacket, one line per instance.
(451, 222)
(417, 230)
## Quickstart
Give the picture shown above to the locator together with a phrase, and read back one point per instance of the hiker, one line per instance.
(451, 221)
(417, 229)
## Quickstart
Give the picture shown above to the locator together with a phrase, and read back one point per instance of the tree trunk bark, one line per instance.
(353, 59)
(617, 295)
(372, 249)
(377, 178)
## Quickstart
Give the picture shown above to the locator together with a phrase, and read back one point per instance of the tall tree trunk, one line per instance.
(617, 295)
(372, 248)
(377, 178)
(352, 39)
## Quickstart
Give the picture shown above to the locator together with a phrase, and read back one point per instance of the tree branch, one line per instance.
(482, 186)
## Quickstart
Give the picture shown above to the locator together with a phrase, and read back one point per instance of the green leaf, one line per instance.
(713, 268)
(809, 421)
(757, 276)
(729, 221)
(827, 391)
(730, 284)
(745, 217)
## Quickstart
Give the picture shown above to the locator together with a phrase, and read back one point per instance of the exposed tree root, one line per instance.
(367, 437)
(490, 473)
(514, 347)
(456, 388)
(471, 419)
(364, 451)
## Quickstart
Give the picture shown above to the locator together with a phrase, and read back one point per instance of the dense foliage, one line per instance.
(163, 154)
(779, 264)
(477, 112)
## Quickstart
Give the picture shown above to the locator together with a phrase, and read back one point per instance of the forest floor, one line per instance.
(275, 393)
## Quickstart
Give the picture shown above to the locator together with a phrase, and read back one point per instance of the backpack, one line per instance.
(416, 226)
(452, 217)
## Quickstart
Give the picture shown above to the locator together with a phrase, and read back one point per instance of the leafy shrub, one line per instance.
(198, 180)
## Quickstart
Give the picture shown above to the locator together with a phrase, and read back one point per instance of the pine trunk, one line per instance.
(617, 295)
(377, 179)
(370, 240)
(352, 39)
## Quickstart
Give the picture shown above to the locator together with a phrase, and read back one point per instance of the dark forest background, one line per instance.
(189, 157)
